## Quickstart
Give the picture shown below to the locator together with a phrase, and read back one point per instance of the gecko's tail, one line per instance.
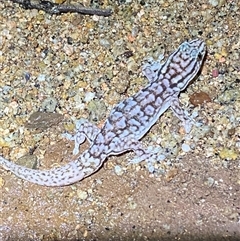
(61, 176)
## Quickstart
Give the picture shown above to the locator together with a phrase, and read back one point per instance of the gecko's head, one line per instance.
(194, 49)
(188, 60)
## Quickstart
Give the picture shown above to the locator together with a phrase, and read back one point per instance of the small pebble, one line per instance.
(97, 110)
(214, 3)
(231, 132)
(118, 170)
(199, 98)
(2, 182)
(41, 77)
(42, 120)
(171, 174)
(59, 1)
(49, 104)
(186, 147)
(27, 76)
(82, 194)
(29, 161)
(229, 96)
(68, 49)
(132, 204)
(210, 181)
(89, 96)
(215, 73)
(228, 154)
(105, 43)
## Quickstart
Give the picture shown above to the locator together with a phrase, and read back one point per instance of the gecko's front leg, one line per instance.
(152, 67)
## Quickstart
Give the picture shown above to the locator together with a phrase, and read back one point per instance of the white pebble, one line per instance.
(89, 96)
(118, 170)
(105, 43)
(82, 194)
(186, 147)
(214, 3)
(41, 77)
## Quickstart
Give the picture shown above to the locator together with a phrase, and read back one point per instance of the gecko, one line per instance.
(128, 121)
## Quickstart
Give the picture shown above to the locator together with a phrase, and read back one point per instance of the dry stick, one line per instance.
(54, 8)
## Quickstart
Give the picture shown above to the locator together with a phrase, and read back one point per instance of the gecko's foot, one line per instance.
(84, 129)
(151, 67)
(78, 139)
(189, 122)
(151, 156)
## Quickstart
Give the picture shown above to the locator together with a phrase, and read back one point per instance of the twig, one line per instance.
(53, 8)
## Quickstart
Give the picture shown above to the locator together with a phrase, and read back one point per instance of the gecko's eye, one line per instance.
(200, 56)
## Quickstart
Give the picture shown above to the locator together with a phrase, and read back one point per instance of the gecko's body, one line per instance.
(129, 121)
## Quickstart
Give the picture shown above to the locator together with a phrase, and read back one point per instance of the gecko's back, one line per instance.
(139, 112)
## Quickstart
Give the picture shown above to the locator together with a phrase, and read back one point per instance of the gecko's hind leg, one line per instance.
(84, 129)
(151, 155)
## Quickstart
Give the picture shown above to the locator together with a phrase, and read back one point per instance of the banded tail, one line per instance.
(60, 176)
